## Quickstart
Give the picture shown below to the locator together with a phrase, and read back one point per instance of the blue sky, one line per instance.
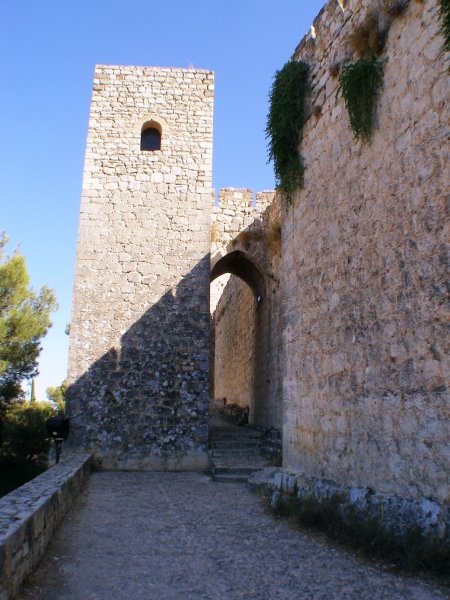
(49, 49)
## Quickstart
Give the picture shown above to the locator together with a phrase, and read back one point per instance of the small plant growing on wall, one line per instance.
(444, 12)
(287, 108)
(361, 81)
(274, 236)
(215, 233)
(244, 239)
(369, 38)
(395, 8)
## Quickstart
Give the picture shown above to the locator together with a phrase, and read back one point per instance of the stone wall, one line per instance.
(235, 338)
(30, 515)
(139, 335)
(247, 318)
(235, 212)
(364, 268)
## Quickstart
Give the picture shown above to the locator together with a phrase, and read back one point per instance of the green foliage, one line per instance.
(24, 320)
(25, 446)
(360, 83)
(284, 123)
(444, 12)
(57, 396)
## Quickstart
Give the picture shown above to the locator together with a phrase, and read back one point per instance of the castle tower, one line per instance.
(139, 334)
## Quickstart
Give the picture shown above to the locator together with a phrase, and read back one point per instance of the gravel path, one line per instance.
(164, 536)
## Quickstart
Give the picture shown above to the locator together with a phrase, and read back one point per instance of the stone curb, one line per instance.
(30, 515)
(395, 514)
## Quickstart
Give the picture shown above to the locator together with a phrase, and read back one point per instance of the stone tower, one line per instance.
(139, 335)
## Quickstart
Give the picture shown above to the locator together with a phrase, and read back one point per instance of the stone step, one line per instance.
(235, 453)
(234, 473)
(241, 470)
(235, 431)
(229, 433)
(244, 452)
(237, 461)
(231, 477)
(231, 444)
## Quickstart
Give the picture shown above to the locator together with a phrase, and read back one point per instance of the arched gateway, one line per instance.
(246, 319)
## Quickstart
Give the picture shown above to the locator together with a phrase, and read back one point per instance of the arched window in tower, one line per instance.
(151, 136)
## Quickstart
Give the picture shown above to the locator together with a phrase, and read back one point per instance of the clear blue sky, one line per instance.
(49, 49)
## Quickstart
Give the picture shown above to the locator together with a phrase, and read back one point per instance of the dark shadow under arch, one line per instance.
(237, 263)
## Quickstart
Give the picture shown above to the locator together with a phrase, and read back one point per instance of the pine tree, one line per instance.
(24, 320)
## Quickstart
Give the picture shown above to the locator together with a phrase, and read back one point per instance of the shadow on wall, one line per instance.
(235, 342)
(144, 405)
(227, 383)
(239, 264)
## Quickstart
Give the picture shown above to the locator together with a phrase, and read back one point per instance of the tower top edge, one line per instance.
(153, 69)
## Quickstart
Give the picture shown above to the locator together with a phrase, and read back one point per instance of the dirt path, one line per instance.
(164, 536)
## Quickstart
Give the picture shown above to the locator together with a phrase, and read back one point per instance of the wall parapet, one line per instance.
(30, 515)
(236, 211)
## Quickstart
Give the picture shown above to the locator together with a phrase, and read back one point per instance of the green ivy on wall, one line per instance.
(444, 11)
(287, 108)
(360, 83)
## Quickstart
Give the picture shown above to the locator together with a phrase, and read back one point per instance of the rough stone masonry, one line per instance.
(359, 326)
(139, 336)
(364, 281)
(365, 263)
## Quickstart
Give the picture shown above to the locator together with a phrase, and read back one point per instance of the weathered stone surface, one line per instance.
(364, 271)
(30, 515)
(395, 515)
(139, 339)
(247, 317)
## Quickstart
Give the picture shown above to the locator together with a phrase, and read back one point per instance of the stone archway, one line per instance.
(243, 266)
(239, 335)
(246, 242)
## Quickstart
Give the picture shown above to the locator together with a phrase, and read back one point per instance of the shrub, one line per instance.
(25, 446)
(368, 39)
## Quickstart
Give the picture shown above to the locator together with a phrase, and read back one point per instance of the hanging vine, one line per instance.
(360, 83)
(287, 108)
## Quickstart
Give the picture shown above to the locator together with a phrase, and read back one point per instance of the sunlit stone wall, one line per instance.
(365, 265)
(139, 335)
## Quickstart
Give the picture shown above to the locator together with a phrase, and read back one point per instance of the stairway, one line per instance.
(235, 452)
